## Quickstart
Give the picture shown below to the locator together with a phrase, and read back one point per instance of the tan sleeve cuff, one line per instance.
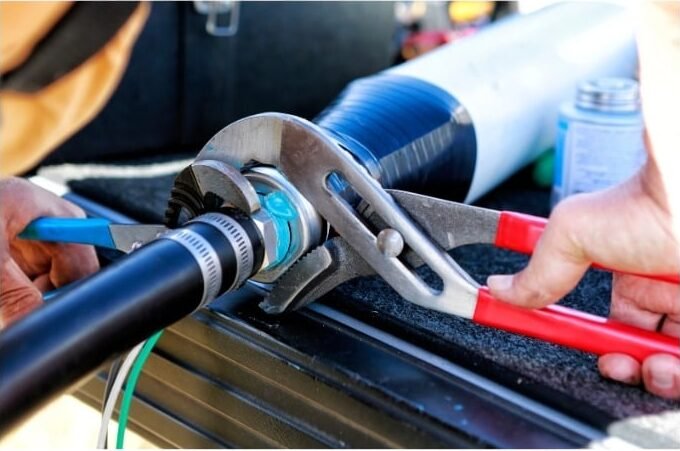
(34, 124)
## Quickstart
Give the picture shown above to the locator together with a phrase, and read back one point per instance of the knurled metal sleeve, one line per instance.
(206, 257)
(239, 240)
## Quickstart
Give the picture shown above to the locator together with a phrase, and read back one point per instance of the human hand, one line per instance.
(627, 228)
(31, 267)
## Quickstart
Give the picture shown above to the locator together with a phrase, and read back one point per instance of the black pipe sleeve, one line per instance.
(71, 336)
(408, 133)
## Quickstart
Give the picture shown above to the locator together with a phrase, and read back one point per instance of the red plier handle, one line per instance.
(574, 329)
(560, 325)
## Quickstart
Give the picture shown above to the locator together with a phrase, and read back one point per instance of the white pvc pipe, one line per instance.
(512, 76)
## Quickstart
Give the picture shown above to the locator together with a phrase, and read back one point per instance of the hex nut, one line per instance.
(265, 225)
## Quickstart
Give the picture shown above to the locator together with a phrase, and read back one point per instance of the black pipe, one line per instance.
(120, 306)
(408, 133)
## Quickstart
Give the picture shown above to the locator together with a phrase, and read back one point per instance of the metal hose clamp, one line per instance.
(205, 256)
(239, 240)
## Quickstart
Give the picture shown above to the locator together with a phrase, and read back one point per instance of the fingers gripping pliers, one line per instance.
(392, 232)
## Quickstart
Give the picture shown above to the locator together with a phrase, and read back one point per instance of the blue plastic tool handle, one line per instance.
(47, 297)
(93, 231)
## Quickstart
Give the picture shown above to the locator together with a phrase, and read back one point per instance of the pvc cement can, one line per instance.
(600, 139)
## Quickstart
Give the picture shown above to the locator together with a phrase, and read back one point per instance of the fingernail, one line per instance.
(663, 380)
(620, 372)
(499, 283)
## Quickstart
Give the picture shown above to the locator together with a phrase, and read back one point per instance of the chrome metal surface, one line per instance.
(291, 288)
(390, 242)
(449, 224)
(265, 226)
(257, 140)
(237, 236)
(308, 227)
(205, 256)
(308, 158)
(619, 95)
(226, 182)
(128, 237)
(314, 275)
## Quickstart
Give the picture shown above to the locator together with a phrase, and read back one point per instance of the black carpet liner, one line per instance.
(571, 373)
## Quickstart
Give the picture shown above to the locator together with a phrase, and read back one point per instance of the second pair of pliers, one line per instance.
(95, 231)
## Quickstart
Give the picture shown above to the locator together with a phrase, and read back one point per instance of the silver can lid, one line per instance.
(619, 95)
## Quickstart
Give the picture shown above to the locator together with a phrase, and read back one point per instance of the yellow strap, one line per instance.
(34, 124)
(23, 25)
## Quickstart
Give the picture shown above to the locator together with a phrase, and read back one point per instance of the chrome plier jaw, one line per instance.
(448, 224)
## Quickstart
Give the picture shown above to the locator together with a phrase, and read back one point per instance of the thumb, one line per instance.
(18, 295)
(555, 268)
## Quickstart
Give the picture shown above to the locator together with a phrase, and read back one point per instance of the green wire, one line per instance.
(130, 387)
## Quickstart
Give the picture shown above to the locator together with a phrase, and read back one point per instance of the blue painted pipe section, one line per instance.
(408, 133)
(93, 231)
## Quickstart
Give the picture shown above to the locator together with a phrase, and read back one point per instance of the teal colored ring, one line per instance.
(283, 214)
